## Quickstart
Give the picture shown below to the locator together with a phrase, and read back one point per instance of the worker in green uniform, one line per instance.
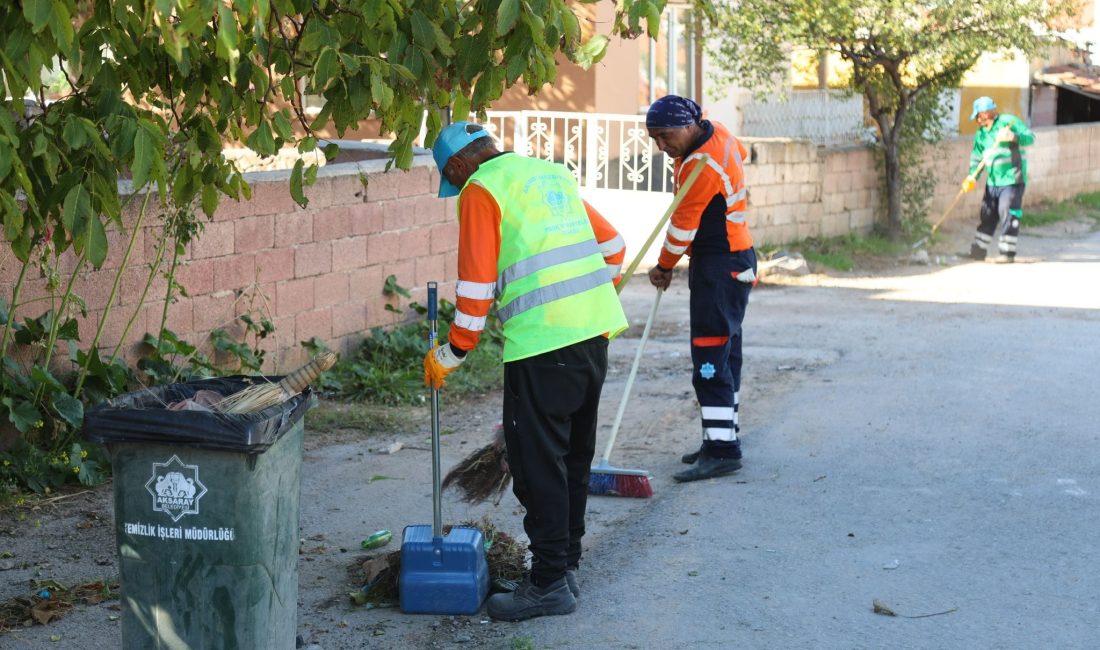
(999, 151)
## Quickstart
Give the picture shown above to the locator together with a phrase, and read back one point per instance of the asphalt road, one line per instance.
(926, 438)
(941, 461)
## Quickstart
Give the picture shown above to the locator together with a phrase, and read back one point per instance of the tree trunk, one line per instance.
(893, 187)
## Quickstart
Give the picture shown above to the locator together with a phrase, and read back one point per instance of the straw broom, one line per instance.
(482, 474)
(267, 394)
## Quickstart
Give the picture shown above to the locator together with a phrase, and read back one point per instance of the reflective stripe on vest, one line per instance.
(553, 285)
(535, 263)
(555, 291)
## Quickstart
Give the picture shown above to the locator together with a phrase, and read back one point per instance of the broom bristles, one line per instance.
(480, 475)
(606, 480)
(267, 394)
(620, 485)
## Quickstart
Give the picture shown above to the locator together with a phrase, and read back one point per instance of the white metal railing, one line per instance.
(603, 151)
(823, 116)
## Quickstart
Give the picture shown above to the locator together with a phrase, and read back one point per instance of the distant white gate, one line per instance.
(604, 151)
(612, 157)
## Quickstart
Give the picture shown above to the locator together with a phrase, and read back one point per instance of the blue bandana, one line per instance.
(673, 111)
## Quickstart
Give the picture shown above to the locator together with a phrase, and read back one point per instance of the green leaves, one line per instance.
(261, 141)
(507, 16)
(591, 52)
(296, 191)
(37, 13)
(144, 149)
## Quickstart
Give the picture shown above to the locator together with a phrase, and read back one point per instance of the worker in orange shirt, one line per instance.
(709, 225)
(528, 240)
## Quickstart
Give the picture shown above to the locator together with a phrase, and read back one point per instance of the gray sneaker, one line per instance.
(571, 580)
(529, 601)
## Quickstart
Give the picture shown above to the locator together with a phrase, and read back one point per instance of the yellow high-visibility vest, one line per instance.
(553, 287)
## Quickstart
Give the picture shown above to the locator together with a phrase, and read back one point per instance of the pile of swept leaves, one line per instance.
(52, 600)
(379, 572)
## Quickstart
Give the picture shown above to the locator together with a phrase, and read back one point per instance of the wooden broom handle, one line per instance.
(680, 193)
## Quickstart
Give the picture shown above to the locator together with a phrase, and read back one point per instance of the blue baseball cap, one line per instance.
(451, 140)
(981, 105)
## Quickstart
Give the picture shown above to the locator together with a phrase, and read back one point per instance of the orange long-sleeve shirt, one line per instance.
(711, 216)
(479, 251)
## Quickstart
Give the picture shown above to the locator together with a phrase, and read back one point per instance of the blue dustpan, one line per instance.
(441, 575)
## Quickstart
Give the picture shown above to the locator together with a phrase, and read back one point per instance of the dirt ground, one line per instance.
(353, 486)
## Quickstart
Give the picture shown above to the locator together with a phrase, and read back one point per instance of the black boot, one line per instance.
(977, 252)
(529, 601)
(692, 456)
(708, 466)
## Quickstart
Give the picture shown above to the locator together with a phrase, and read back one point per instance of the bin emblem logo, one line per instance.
(175, 488)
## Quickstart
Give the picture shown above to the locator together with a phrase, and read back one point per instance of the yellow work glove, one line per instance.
(438, 363)
(968, 184)
(1006, 135)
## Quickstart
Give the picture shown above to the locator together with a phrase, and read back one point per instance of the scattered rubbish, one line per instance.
(784, 263)
(377, 539)
(392, 449)
(919, 258)
(202, 400)
(882, 608)
(51, 600)
(891, 565)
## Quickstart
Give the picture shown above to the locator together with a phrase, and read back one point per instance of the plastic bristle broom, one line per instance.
(616, 481)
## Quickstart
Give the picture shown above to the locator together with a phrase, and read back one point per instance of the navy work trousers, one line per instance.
(718, 301)
(551, 402)
(1001, 211)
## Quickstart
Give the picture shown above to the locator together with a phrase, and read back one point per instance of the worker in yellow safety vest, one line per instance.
(528, 240)
(709, 226)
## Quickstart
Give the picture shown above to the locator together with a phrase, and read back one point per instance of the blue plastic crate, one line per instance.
(443, 575)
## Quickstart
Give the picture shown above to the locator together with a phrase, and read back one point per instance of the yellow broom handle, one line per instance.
(698, 169)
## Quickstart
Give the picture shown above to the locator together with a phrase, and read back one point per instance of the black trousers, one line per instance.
(551, 402)
(1001, 207)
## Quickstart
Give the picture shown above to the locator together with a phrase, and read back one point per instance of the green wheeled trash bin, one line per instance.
(206, 517)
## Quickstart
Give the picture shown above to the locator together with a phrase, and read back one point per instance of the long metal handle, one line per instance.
(437, 507)
(630, 379)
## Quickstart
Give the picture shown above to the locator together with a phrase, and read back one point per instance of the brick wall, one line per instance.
(799, 190)
(319, 271)
(315, 271)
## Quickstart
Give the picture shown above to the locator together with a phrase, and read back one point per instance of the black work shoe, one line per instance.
(977, 253)
(571, 580)
(690, 457)
(529, 601)
(708, 467)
